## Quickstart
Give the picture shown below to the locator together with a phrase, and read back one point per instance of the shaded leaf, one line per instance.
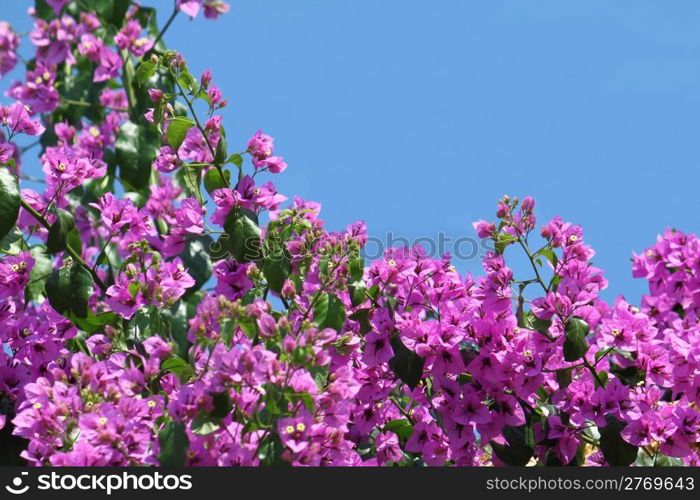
(575, 344)
(617, 451)
(406, 364)
(173, 445)
(177, 130)
(9, 201)
(329, 312)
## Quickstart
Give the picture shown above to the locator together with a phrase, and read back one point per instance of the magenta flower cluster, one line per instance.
(149, 315)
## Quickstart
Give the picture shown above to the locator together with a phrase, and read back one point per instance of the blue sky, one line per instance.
(417, 116)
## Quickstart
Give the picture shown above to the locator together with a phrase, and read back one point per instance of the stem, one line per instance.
(591, 368)
(88, 105)
(127, 79)
(165, 28)
(201, 130)
(75, 255)
(26, 177)
(531, 258)
(590, 440)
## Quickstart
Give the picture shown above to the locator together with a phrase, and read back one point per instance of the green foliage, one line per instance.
(329, 312)
(406, 364)
(276, 270)
(59, 233)
(401, 427)
(173, 445)
(243, 232)
(196, 259)
(616, 450)
(9, 201)
(145, 323)
(520, 447)
(13, 242)
(503, 240)
(177, 130)
(40, 273)
(214, 181)
(69, 289)
(575, 344)
(136, 147)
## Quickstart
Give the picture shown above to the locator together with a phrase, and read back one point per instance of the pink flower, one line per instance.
(128, 38)
(109, 67)
(57, 5)
(16, 119)
(166, 161)
(9, 42)
(484, 229)
(377, 350)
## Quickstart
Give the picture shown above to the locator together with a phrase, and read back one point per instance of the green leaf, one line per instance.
(187, 81)
(329, 312)
(222, 405)
(617, 451)
(13, 242)
(270, 452)
(68, 290)
(236, 159)
(276, 269)
(78, 86)
(42, 9)
(145, 71)
(503, 240)
(177, 130)
(58, 232)
(191, 177)
(136, 147)
(203, 425)
(563, 377)
(305, 398)
(401, 427)
(549, 254)
(213, 180)
(145, 323)
(356, 267)
(9, 201)
(629, 375)
(177, 365)
(575, 344)
(178, 325)
(220, 156)
(362, 317)
(40, 273)
(196, 259)
(406, 364)
(93, 323)
(241, 225)
(358, 292)
(113, 11)
(173, 445)
(521, 445)
(603, 376)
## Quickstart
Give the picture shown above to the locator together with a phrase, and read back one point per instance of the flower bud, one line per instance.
(502, 210)
(528, 204)
(205, 80)
(155, 94)
(288, 290)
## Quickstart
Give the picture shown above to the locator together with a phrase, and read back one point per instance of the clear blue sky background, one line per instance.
(417, 116)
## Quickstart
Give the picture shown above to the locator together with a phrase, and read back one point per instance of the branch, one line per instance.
(75, 255)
